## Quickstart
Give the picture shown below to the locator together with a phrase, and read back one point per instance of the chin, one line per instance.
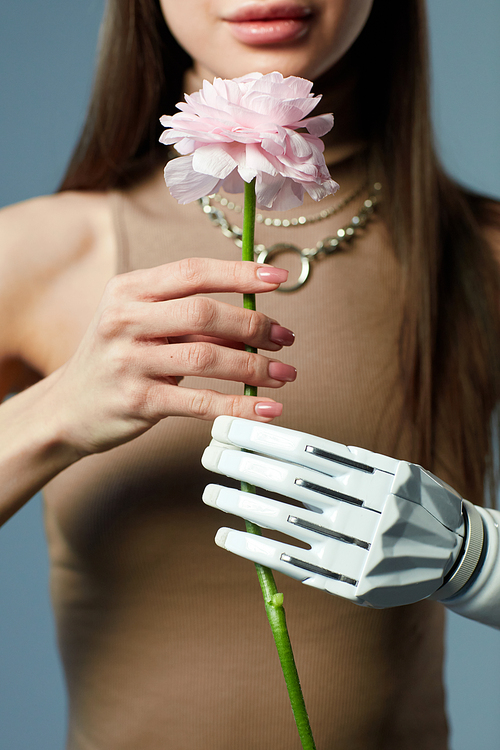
(287, 62)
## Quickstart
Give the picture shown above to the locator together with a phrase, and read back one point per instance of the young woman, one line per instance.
(397, 349)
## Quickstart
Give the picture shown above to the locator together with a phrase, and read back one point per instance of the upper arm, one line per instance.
(34, 247)
(42, 243)
(16, 240)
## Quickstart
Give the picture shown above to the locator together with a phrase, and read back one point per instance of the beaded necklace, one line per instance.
(327, 246)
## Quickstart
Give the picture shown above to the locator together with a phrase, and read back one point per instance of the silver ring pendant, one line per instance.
(270, 253)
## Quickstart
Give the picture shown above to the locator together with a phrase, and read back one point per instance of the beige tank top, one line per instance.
(163, 635)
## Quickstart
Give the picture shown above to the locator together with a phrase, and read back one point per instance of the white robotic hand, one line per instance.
(381, 532)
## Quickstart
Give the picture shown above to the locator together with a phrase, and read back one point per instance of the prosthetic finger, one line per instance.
(313, 488)
(303, 565)
(333, 556)
(359, 473)
(345, 524)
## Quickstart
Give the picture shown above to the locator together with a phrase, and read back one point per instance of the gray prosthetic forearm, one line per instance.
(478, 594)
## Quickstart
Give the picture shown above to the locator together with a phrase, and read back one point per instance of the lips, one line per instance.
(268, 11)
(269, 23)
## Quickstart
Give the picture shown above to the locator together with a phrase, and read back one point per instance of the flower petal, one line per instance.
(275, 111)
(290, 195)
(256, 159)
(185, 184)
(213, 160)
(267, 188)
(318, 191)
(233, 183)
(273, 144)
(318, 125)
(299, 146)
(246, 173)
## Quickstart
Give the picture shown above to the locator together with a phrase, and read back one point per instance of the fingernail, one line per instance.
(272, 275)
(280, 371)
(267, 409)
(280, 335)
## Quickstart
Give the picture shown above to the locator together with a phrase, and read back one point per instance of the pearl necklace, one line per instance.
(296, 221)
(326, 246)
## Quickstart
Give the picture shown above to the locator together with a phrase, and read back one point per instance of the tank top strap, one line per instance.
(150, 226)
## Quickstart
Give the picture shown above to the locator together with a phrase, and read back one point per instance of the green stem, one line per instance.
(247, 253)
(273, 601)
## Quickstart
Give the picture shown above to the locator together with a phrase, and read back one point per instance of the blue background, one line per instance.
(46, 58)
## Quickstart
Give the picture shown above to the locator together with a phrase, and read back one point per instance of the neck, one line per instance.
(339, 88)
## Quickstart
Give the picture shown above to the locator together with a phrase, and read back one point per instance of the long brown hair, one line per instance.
(450, 337)
(139, 78)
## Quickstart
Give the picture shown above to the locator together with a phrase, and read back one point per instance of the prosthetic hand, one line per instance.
(380, 532)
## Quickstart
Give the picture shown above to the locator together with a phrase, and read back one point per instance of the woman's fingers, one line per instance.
(203, 359)
(209, 317)
(154, 327)
(208, 404)
(209, 339)
(198, 276)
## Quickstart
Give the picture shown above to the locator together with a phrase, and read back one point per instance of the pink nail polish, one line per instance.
(280, 335)
(268, 409)
(280, 371)
(272, 275)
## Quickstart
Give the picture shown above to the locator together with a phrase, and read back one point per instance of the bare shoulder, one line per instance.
(44, 242)
(44, 235)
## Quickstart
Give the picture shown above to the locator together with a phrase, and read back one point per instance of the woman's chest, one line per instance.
(346, 321)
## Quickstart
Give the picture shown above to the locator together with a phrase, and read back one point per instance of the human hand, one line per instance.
(149, 331)
(381, 532)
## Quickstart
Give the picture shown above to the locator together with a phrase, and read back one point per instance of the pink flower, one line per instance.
(234, 130)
